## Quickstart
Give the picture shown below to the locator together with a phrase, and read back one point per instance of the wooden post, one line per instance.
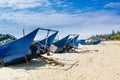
(23, 32)
(45, 46)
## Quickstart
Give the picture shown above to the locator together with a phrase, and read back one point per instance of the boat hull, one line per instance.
(16, 51)
(61, 44)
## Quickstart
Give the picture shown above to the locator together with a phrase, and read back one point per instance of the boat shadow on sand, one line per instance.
(37, 63)
(33, 64)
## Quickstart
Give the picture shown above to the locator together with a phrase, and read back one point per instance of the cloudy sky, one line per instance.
(83, 17)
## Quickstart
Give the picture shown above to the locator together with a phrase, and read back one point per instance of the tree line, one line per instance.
(112, 36)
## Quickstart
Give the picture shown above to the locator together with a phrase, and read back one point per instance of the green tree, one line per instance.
(113, 32)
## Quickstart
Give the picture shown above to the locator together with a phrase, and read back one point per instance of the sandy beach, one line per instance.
(94, 62)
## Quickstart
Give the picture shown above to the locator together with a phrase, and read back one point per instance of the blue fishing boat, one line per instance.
(83, 42)
(72, 42)
(76, 44)
(60, 44)
(44, 45)
(16, 51)
(94, 42)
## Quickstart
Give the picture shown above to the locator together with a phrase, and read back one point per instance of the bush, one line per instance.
(117, 37)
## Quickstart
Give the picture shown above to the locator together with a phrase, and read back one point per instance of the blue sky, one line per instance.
(83, 17)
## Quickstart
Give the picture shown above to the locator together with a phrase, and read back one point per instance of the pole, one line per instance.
(47, 29)
(26, 55)
(45, 46)
(23, 32)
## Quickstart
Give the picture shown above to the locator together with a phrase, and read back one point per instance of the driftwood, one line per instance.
(71, 66)
(86, 51)
(50, 60)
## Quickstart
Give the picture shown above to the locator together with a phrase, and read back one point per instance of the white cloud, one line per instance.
(90, 23)
(85, 24)
(25, 8)
(113, 5)
(24, 4)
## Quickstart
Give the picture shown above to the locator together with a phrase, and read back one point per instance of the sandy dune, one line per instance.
(94, 62)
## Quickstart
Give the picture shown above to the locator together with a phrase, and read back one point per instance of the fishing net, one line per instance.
(6, 38)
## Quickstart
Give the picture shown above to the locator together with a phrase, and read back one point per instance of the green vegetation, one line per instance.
(113, 36)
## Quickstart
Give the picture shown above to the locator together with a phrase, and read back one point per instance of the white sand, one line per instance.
(95, 62)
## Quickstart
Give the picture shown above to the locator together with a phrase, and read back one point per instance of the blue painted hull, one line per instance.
(76, 44)
(83, 42)
(95, 42)
(60, 44)
(71, 43)
(16, 51)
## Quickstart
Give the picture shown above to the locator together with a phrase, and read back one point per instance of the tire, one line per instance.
(1, 63)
